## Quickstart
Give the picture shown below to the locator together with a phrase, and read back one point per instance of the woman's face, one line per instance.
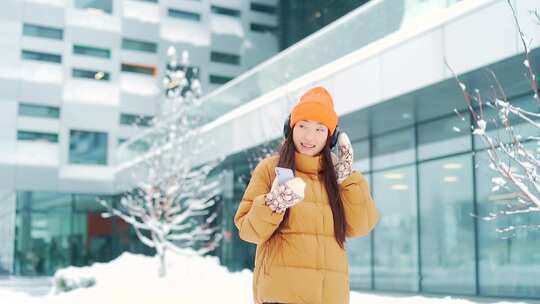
(309, 137)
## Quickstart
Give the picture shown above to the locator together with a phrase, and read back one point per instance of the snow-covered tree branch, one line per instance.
(514, 157)
(170, 207)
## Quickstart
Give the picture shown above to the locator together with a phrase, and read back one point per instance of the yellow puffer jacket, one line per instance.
(302, 262)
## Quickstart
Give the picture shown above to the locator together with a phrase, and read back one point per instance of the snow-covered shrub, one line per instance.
(72, 278)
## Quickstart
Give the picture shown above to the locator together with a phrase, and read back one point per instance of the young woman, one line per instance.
(300, 225)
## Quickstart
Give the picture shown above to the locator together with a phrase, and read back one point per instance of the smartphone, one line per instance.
(284, 175)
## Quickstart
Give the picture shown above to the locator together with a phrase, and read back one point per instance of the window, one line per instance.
(396, 235)
(175, 13)
(42, 31)
(96, 75)
(225, 58)
(361, 155)
(359, 252)
(87, 147)
(446, 198)
(43, 222)
(262, 28)
(102, 5)
(138, 120)
(136, 147)
(40, 56)
(440, 137)
(303, 18)
(91, 51)
(225, 11)
(359, 255)
(32, 110)
(138, 45)
(263, 8)
(37, 136)
(59, 229)
(217, 79)
(392, 149)
(140, 69)
(509, 262)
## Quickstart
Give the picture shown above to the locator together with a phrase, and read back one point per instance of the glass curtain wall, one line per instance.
(55, 230)
(432, 185)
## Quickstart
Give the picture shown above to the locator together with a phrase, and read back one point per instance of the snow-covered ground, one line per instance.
(132, 279)
(27, 286)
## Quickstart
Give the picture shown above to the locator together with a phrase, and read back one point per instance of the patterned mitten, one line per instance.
(286, 195)
(344, 162)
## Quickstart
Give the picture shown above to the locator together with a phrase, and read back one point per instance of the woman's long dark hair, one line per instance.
(286, 160)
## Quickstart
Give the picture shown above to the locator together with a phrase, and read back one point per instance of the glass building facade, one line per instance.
(87, 147)
(432, 185)
(55, 230)
(429, 177)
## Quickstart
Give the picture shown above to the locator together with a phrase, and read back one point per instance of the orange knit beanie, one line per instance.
(317, 105)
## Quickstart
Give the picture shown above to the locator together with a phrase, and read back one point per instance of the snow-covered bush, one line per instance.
(72, 278)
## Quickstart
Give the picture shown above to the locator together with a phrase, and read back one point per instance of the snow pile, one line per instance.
(142, 11)
(226, 25)
(133, 279)
(187, 32)
(359, 298)
(18, 298)
(72, 278)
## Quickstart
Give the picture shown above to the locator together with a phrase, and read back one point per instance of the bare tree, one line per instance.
(170, 205)
(515, 164)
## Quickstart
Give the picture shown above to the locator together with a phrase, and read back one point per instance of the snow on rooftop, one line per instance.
(15, 297)
(142, 11)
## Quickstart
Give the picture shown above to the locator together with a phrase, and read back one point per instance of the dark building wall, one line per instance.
(300, 18)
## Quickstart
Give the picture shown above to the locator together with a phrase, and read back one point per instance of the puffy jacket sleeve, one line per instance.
(255, 221)
(360, 210)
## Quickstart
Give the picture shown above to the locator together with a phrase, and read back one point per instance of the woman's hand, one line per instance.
(343, 165)
(286, 195)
